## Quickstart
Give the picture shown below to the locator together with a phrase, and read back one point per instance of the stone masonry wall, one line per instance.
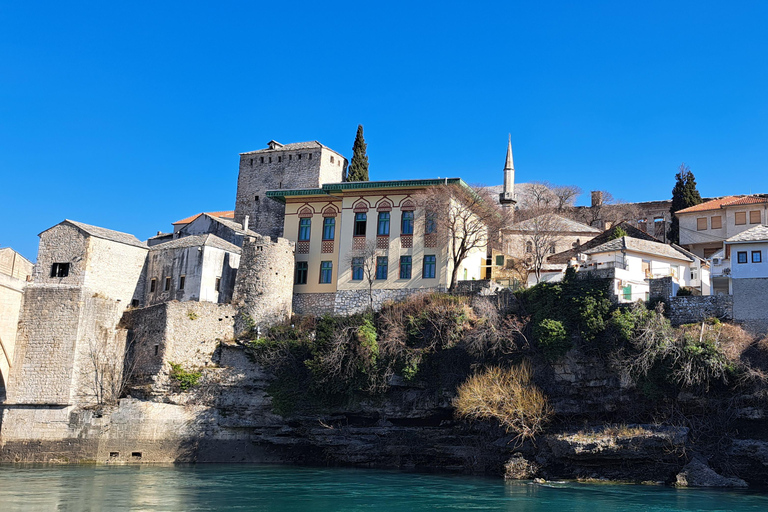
(184, 333)
(660, 288)
(695, 308)
(316, 304)
(264, 282)
(281, 169)
(750, 303)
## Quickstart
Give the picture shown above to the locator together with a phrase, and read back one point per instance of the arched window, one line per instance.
(529, 247)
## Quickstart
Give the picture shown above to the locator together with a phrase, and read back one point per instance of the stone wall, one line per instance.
(264, 283)
(350, 302)
(660, 288)
(11, 299)
(184, 333)
(695, 308)
(281, 169)
(750, 303)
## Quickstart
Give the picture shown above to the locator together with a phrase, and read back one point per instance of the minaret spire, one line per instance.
(507, 196)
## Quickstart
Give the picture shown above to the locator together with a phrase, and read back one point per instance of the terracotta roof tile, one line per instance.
(225, 215)
(722, 202)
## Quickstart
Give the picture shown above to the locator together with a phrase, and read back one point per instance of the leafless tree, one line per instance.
(463, 220)
(111, 367)
(540, 235)
(606, 211)
(540, 196)
(365, 259)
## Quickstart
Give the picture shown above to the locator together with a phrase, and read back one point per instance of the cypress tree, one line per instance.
(358, 169)
(684, 195)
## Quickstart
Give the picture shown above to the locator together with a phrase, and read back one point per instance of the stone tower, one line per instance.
(282, 166)
(507, 196)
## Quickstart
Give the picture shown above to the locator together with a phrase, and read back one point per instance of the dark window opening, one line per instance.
(218, 284)
(167, 283)
(251, 162)
(135, 303)
(152, 285)
(360, 222)
(157, 349)
(430, 224)
(114, 454)
(301, 272)
(279, 159)
(60, 270)
(182, 280)
(741, 257)
(136, 454)
(256, 198)
(310, 156)
(262, 159)
(270, 159)
(499, 260)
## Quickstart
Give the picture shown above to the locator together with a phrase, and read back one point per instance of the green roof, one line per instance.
(329, 188)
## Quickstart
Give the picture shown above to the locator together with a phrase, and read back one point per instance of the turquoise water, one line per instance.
(286, 489)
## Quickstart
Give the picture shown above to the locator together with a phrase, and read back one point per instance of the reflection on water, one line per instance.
(286, 489)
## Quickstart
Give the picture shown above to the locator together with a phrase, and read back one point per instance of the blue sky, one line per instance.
(131, 115)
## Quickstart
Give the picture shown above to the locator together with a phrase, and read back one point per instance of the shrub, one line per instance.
(684, 292)
(185, 379)
(192, 315)
(552, 338)
(506, 395)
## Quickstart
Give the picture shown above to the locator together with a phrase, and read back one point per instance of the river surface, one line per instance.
(286, 489)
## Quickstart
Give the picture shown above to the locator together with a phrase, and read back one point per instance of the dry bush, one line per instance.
(506, 395)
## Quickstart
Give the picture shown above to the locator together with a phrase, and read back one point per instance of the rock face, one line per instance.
(698, 474)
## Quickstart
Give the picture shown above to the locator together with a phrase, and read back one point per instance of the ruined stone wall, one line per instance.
(281, 169)
(660, 288)
(264, 283)
(184, 333)
(350, 302)
(695, 308)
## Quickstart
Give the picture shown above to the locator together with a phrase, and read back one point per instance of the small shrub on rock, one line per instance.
(552, 338)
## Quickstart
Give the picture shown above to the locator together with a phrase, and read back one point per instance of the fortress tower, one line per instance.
(302, 165)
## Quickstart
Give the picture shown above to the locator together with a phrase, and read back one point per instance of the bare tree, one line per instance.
(541, 196)
(606, 211)
(111, 367)
(540, 236)
(364, 261)
(463, 220)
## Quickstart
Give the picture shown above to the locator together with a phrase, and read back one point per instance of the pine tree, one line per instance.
(684, 195)
(358, 169)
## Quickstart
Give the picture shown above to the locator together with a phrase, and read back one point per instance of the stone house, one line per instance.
(195, 267)
(15, 271)
(340, 229)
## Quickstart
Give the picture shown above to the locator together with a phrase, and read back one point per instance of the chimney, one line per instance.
(245, 223)
(597, 198)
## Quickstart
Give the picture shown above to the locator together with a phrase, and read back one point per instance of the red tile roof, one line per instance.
(223, 215)
(722, 202)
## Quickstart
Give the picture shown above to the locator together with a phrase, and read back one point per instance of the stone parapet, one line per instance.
(695, 308)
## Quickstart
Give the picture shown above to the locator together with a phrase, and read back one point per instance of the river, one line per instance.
(286, 489)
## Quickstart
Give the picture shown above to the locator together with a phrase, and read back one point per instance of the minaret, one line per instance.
(507, 196)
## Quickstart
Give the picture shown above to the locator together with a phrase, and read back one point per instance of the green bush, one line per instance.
(184, 379)
(552, 338)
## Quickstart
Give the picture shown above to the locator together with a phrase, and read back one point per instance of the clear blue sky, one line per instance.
(131, 115)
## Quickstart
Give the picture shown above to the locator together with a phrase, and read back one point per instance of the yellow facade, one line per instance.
(374, 200)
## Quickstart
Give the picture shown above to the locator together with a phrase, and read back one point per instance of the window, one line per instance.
(302, 267)
(382, 267)
(701, 223)
(251, 162)
(552, 249)
(167, 284)
(716, 222)
(218, 284)
(304, 229)
(181, 282)
(754, 217)
(329, 228)
(406, 223)
(529, 247)
(383, 229)
(152, 285)
(741, 257)
(499, 260)
(60, 270)
(430, 223)
(430, 262)
(360, 222)
(331, 159)
(741, 218)
(405, 267)
(357, 269)
(326, 272)
(757, 257)
(262, 159)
